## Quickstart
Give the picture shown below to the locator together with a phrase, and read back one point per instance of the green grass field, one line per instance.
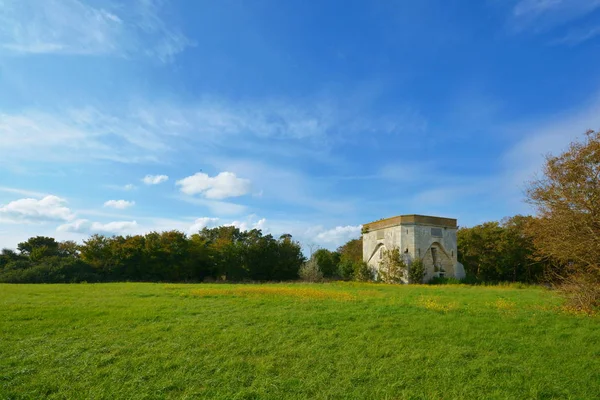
(276, 341)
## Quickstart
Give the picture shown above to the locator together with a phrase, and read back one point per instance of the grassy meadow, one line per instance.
(279, 341)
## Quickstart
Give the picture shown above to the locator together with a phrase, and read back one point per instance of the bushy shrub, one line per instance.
(392, 268)
(346, 269)
(582, 292)
(328, 262)
(310, 271)
(438, 280)
(51, 270)
(362, 272)
(416, 271)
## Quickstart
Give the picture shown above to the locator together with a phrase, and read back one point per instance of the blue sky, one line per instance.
(299, 117)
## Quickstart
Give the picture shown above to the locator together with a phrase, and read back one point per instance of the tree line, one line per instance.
(222, 253)
(560, 244)
(218, 254)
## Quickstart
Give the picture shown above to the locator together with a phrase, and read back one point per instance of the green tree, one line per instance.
(68, 248)
(392, 267)
(351, 259)
(351, 251)
(328, 262)
(7, 256)
(96, 252)
(290, 259)
(500, 251)
(39, 247)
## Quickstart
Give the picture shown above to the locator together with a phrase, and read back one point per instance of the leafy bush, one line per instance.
(346, 269)
(392, 267)
(437, 280)
(51, 270)
(328, 262)
(416, 271)
(310, 271)
(362, 272)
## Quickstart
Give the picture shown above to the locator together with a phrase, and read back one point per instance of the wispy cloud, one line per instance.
(77, 27)
(219, 208)
(552, 135)
(543, 15)
(22, 192)
(77, 135)
(579, 35)
(126, 188)
(87, 227)
(150, 133)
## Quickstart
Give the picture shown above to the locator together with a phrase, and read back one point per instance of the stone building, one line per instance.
(432, 239)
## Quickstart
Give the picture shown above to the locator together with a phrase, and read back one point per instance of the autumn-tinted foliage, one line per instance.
(567, 230)
(567, 201)
(500, 251)
(223, 253)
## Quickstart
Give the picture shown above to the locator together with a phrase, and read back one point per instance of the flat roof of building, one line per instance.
(411, 219)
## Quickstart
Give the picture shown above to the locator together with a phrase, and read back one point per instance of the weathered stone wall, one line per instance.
(416, 236)
(424, 239)
(444, 261)
(376, 240)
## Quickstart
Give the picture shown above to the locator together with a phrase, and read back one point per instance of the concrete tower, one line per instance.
(431, 239)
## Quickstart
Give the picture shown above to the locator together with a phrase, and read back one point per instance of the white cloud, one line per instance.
(155, 179)
(204, 222)
(119, 204)
(87, 226)
(77, 226)
(75, 27)
(115, 226)
(222, 186)
(249, 225)
(338, 235)
(49, 208)
(287, 186)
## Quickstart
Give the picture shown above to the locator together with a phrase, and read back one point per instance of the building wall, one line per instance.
(424, 239)
(444, 263)
(418, 239)
(376, 240)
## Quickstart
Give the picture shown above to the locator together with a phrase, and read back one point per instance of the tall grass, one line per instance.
(278, 341)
